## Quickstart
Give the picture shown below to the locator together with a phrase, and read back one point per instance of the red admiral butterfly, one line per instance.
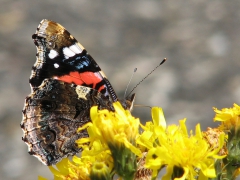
(65, 82)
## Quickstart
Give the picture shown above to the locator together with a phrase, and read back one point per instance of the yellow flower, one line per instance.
(114, 128)
(97, 152)
(174, 148)
(151, 130)
(82, 168)
(67, 170)
(229, 117)
(100, 172)
(118, 131)
(230, 123)
(115, 133)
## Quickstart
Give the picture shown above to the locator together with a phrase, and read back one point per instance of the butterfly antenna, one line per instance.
(147, 75)
(135, 70)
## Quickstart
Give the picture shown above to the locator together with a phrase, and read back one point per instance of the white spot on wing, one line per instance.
(76, 48)
(56, 65)
(68, 52)
(52, 54)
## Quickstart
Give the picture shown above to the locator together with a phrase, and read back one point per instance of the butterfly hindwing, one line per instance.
(52, 115)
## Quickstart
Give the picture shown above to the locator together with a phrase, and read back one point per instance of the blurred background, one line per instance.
(200, 39)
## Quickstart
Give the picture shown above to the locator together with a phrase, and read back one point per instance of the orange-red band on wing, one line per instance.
(77, 78)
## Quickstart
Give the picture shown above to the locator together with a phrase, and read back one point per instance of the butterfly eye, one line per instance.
(47, 105)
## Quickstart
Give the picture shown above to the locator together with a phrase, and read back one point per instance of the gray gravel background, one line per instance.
(200, 39)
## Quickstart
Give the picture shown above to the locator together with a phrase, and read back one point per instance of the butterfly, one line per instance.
(65, 83)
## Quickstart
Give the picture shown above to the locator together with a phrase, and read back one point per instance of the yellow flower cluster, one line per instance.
(229, 117)
(113, 128)
(230, 123)
(116, 145)
(171, 146)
